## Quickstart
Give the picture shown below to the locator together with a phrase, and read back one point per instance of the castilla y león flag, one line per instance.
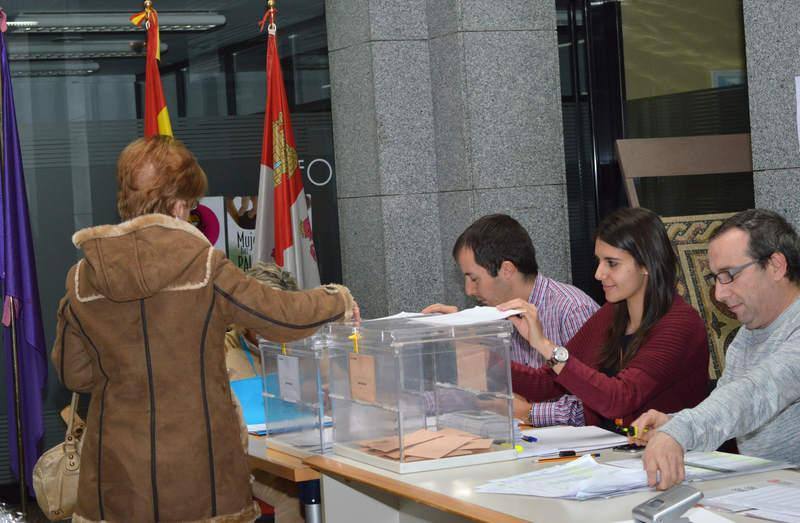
(283, 227)
(156, 117)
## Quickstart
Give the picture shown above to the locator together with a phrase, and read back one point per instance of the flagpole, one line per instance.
(23, 488)
(310, 493)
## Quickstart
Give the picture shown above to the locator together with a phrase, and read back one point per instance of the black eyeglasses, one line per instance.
(727, 276)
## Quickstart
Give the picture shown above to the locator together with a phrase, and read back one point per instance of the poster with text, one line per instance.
(241, 225)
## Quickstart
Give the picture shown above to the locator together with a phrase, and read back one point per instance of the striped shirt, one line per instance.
(563, 309)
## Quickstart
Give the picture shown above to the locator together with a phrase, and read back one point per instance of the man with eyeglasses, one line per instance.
(755, 261)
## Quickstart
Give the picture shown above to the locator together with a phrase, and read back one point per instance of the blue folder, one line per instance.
(283, 415)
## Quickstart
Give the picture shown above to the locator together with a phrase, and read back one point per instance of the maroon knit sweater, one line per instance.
(668, 373)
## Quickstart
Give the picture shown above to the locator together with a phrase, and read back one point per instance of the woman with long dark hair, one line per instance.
(645, 348)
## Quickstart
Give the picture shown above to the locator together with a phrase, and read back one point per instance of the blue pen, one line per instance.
(529, 439)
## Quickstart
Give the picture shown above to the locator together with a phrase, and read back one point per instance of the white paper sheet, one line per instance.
(777, 498)
(692, 473)
(289, 378)
(399, 315)
(732, 462)
(551, 440)
(582, 478)
(467, 316)
(772, 515)
(735, 464)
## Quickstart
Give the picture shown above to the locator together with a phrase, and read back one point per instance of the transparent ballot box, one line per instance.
(409, 396)
(296, 414)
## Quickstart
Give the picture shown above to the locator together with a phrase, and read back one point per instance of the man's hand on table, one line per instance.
(440, 308)
(645, 426)
(663, 461)
(663, 456)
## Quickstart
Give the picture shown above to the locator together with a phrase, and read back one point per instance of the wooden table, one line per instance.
(278, 463)
(302, 486)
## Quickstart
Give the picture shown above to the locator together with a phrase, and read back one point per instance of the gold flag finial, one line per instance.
(269, 17)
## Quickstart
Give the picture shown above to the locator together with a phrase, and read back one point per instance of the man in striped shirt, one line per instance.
(498, 260)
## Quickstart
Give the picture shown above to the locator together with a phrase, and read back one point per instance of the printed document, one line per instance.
(781, 499)
(467, 316)
(551, 440)
(702, 466)
(398, 316)
(582, 478)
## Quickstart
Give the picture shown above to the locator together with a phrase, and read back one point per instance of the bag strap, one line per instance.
(72, 436)
(73, 409)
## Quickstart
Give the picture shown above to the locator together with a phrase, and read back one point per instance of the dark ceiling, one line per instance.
(242, 17)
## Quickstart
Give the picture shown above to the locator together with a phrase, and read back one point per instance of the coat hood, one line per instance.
(141, 257)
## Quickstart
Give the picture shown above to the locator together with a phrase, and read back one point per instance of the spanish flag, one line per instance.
(283, 224)
(156, 117)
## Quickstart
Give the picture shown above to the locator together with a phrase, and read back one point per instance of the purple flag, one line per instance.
(18, 279)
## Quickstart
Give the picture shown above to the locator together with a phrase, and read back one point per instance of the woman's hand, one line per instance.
(528, 325)
(356, 312)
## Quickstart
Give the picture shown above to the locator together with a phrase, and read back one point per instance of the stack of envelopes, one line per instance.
(425, 444)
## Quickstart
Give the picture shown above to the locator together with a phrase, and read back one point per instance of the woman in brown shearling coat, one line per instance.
(142, 329)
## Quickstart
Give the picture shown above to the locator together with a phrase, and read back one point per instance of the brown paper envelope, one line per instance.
(459, 452)
(362, 377)
(370, 442)
(455, 432)
(436, 448)
(386, 444)
(407, 459)
(478, 444)
(421, 436)
(393, 443)
(471, 365)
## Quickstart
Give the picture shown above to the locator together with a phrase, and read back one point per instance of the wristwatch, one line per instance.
(560, 355)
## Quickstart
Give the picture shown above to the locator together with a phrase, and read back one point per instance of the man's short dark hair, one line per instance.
(497, 238)
(769, 233)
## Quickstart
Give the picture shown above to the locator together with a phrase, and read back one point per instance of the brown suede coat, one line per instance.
(142, 329)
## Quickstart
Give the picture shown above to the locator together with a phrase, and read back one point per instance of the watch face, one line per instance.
(560, 354)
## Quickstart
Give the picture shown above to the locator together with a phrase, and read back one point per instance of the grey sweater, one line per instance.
(757, 399)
